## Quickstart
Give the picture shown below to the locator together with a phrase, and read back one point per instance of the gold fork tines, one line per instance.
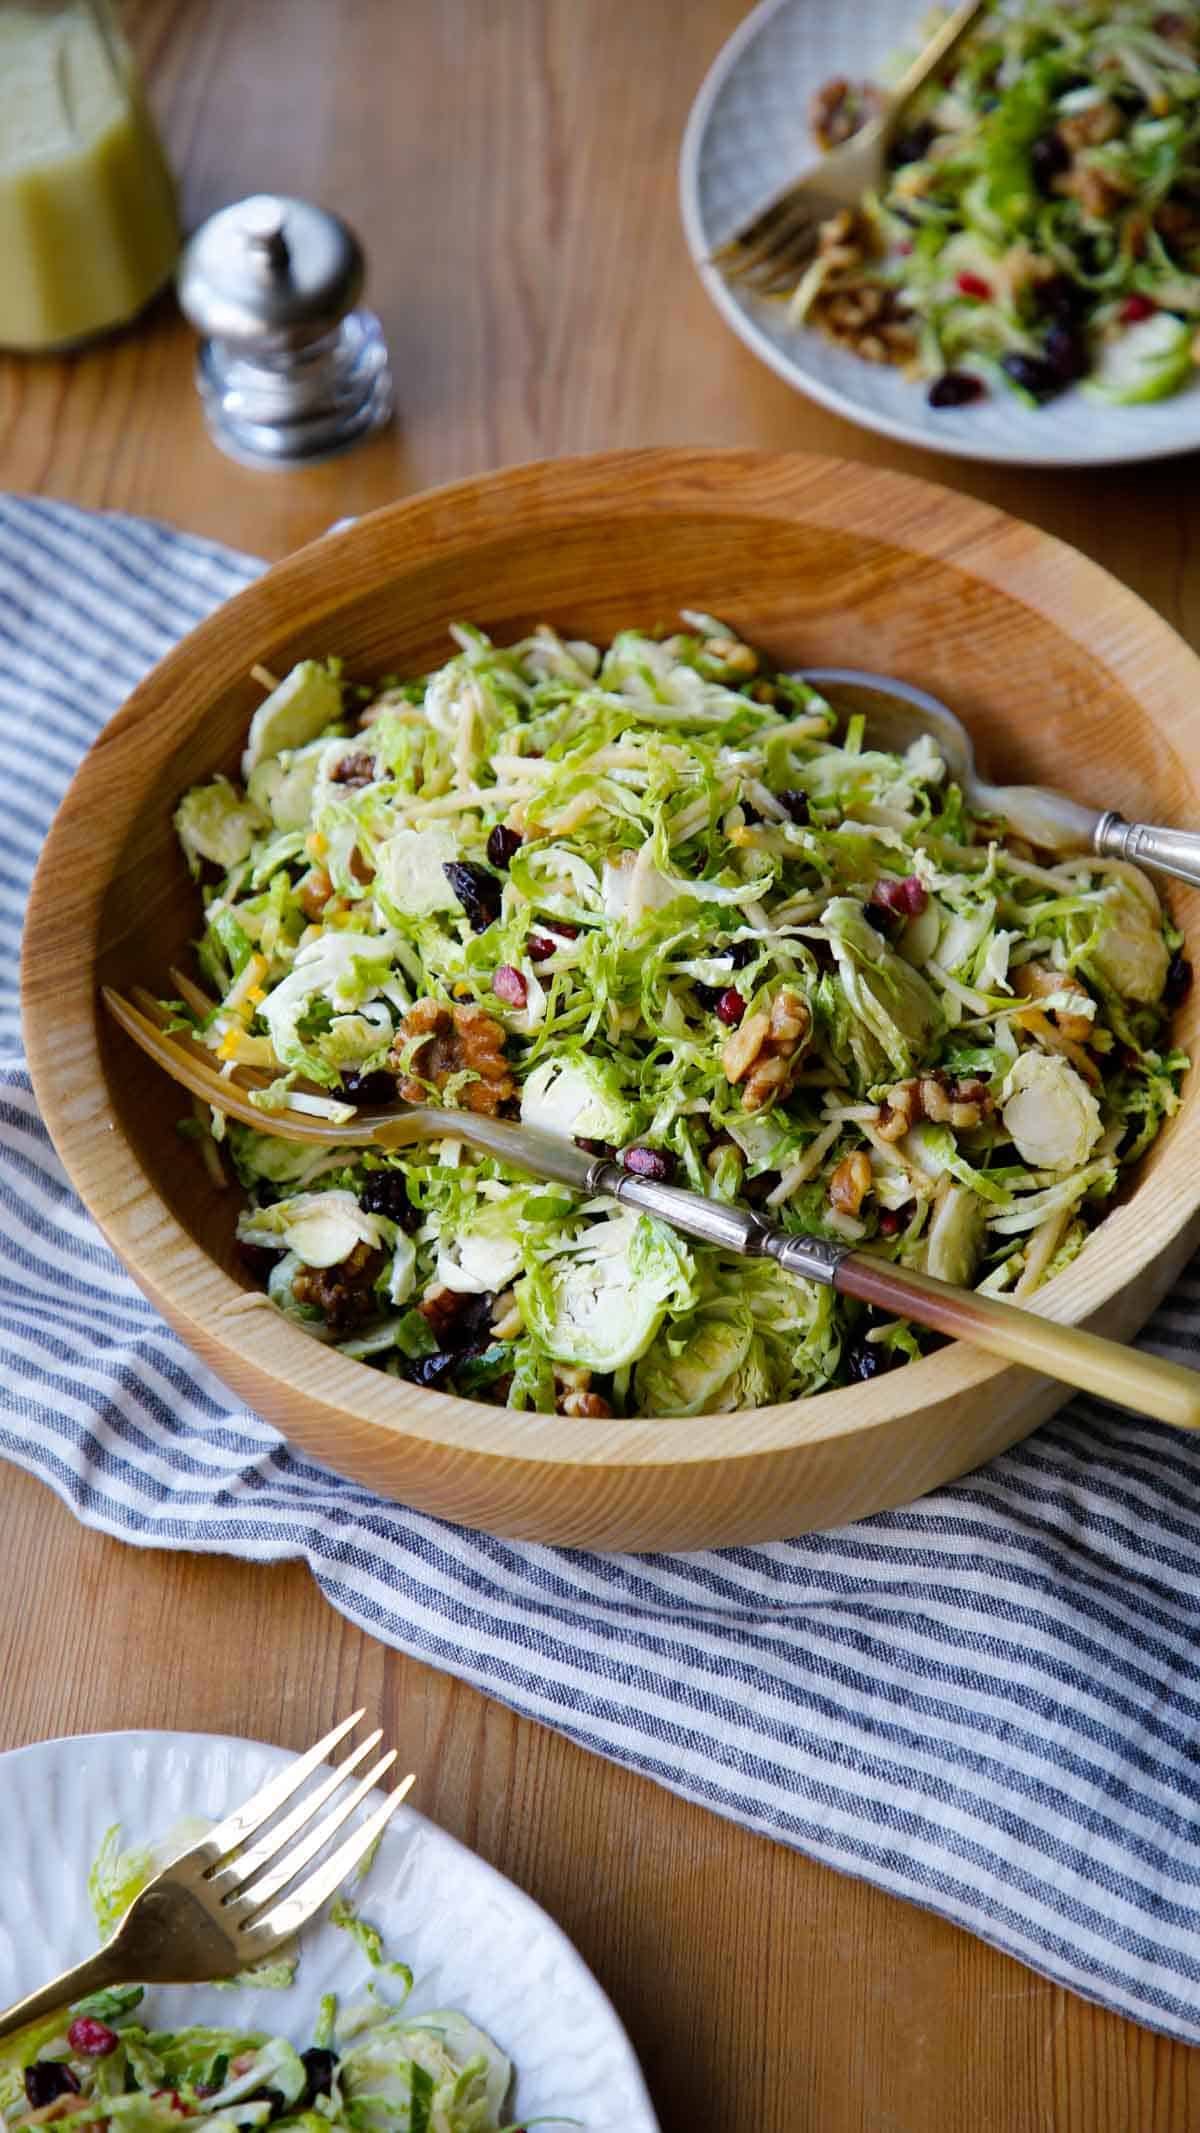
(216, 1909)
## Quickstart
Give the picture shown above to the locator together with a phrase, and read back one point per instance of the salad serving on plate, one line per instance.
(1039, 223)
(651, 898)
(370, 2067)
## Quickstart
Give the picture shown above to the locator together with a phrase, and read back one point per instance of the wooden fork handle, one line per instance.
(103, 1968)
(1144, 1383)
(934, 55)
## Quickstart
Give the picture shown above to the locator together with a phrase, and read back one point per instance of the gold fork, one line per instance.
(1069, 1353)
(772, 248)
(216, 1909)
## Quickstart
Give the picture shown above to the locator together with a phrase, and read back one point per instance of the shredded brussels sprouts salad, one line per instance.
(370, 2067)
(1040, 220)
(653, 898)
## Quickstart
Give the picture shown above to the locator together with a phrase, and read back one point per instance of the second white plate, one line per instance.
(748, 134)
(472, 1940)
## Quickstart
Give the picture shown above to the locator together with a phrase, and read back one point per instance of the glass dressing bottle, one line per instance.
(89, 229)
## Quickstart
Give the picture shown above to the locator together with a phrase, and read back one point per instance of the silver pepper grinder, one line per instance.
(291, 367)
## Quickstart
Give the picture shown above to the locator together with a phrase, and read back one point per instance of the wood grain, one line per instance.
(511, 168)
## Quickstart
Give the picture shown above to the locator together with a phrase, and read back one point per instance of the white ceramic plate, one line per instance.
(748, 134)
(473, 1941)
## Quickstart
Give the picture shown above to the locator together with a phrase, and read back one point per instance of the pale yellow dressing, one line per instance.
(88, 224)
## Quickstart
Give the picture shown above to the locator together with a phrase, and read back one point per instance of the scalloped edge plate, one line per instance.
(514, 1971)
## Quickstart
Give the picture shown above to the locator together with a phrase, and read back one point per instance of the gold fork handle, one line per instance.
(106, 1967)
(934, 54)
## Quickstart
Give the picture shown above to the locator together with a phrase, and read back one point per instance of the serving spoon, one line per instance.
(897, 714)
(1129, 1378)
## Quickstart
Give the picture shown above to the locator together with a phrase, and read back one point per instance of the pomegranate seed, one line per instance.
(648, 1163)
(509, 985)
(889, 1223)
(905, 246)
(906, 898)
(540, 945)
(94, 2039)
(1135, 308)
(973, 285)
(730, 1007)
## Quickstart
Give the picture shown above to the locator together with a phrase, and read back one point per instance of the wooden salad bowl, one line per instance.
(1064, 677)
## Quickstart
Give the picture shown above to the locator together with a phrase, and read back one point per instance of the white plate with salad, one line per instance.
(444, 1995)
(1035, 252)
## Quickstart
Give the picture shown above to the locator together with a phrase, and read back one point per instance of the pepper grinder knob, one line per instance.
(291, 366)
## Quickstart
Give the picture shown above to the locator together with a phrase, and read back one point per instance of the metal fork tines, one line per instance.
(226, 1903)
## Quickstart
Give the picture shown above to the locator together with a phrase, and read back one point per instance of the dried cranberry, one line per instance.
(46, 2080)
(1178, 982)
(94, 2039)
(890, 1223)
(509, 986)
(651, 1163)
(1048, 158)
(913, 146)
(974, 285)
(794, 804)
(906, 898)
(866, 1359)
(1033, 374)
(431, 1370)
(258, 1259)
(319, 2066)
(1066, 351)
(502, 844)
(385, 1193)
(1136, 308)
(477, 890)
(462, 1324)
(955, 388)
(377, 1087)
(603, 1148)
(730, 1007)
(1063, 299)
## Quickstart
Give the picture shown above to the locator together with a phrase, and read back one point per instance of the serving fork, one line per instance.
(217, 1908)
(769, 252)
(1074, 1356)
(898, 713)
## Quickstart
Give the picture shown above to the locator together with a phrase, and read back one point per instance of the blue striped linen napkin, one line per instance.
(988, 1703)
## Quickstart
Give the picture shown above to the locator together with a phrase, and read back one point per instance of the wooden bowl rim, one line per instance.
(914, 515)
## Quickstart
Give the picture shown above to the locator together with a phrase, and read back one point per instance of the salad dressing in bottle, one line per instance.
(88, 224)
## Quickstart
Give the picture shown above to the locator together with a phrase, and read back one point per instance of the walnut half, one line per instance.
(766, 1052)
(453, 1040)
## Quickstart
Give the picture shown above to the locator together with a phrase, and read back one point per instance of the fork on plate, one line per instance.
(770, 251)
(224, 1903)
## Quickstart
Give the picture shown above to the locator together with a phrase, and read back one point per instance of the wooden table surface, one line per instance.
(511, 167)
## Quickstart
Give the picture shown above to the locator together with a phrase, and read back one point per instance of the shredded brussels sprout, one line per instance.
(1039, 221)
(649, 897)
